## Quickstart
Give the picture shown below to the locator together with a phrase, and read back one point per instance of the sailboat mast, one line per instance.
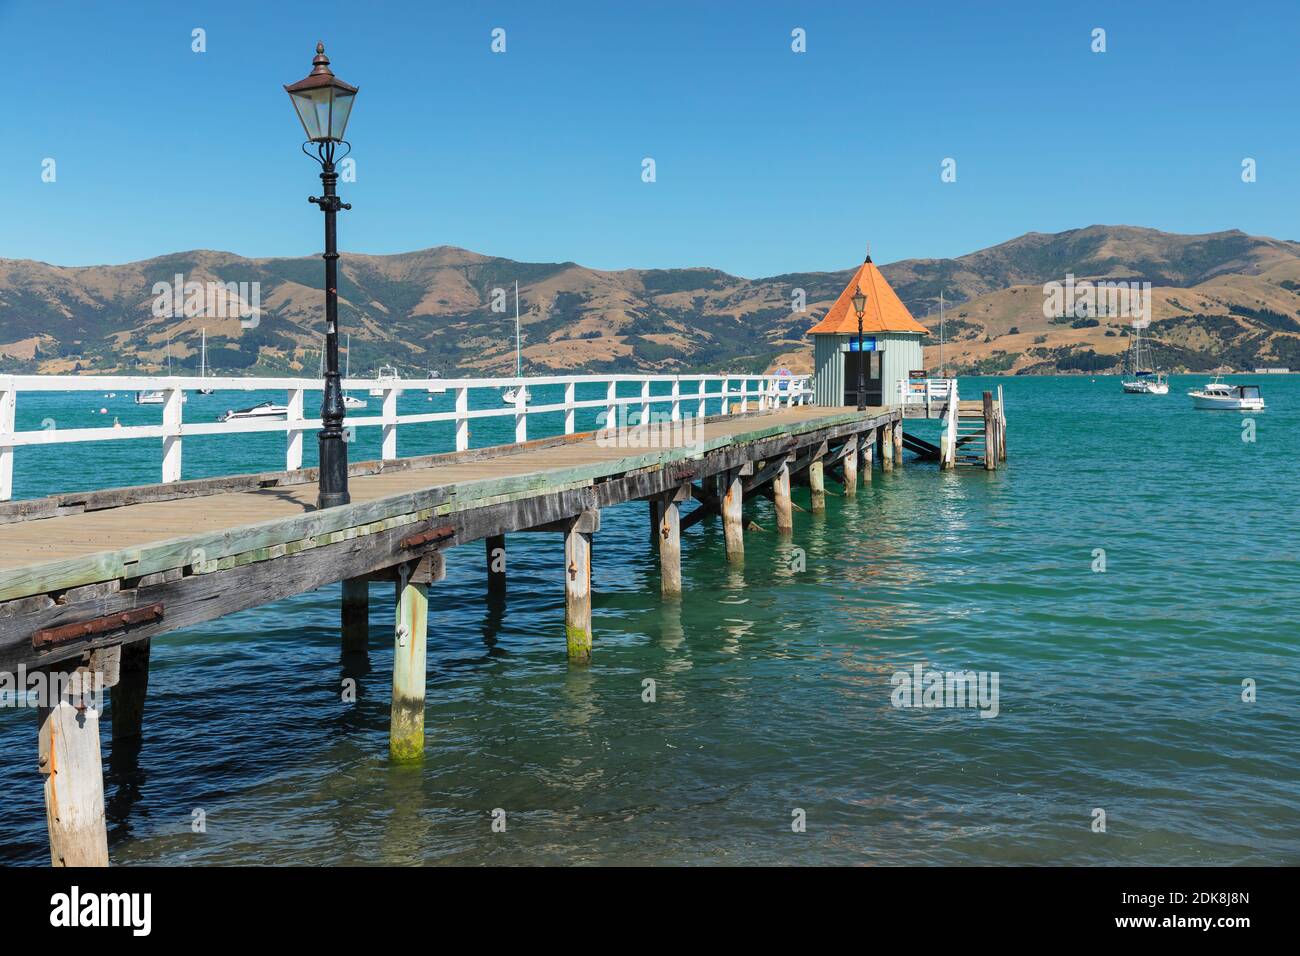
(942, 368)
(203, 355)
(519, 365)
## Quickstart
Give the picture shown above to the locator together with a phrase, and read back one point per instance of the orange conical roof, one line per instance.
(885, 310)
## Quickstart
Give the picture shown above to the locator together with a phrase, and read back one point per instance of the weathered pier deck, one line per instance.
(87, 579)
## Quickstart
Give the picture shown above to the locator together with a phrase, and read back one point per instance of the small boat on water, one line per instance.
(1141, 380)
(150, 396)
(511, 395)
(203, 363)
(352, 402)
(435, 389)
(261, 410)
(1219, 395)
(386, 377)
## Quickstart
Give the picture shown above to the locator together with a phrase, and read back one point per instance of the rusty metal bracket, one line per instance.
(440, 533)
(100, 625)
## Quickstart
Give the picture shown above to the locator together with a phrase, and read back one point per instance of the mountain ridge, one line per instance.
(1221, 298)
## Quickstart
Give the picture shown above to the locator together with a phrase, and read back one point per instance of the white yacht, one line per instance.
(261, 410)
(351, 402)
(511, 395)
(1142, 381)
(1218, 394)
(386, 377)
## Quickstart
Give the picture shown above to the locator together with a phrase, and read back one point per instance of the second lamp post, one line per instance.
(323, 103)
(860, 307)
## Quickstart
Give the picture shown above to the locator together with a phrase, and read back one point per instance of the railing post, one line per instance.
(611, 403)
(762, 394)
(521, 412)
(388, 449)
(676, 415)
(462, 419)
(704, 401)
(744, 395)
(570, 396)
(8, 417)
(645, 403)
(173, 398)
(726, 398)
(293, 450)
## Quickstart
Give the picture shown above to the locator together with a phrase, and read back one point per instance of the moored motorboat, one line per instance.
(261, 410)
(1222, 396)
(385, 379)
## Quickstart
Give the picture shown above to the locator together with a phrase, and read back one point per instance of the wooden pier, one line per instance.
(87, 579)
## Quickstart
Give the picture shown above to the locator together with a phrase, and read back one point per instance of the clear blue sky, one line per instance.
(768, 161)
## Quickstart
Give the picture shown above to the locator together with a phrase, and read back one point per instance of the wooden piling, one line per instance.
(850, 465)
(130, 691)
(990, 434)
(817, 486)
(406, 731)
(577, 587)
(868, 453)
(74, 777)
(898, 443)
(733, 515)
(670, 547)
(495, 548)
(356, 616)
(781, 497)
(653, 505)
(885, 443)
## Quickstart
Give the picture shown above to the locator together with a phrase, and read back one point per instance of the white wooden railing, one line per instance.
(735, 393)
(929, 392)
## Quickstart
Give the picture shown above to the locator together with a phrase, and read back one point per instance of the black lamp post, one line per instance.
(860, 306)
(323, 103)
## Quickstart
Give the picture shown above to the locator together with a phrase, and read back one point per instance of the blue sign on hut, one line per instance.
(891, 343)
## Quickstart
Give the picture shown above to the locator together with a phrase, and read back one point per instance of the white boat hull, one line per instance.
(1229, 403)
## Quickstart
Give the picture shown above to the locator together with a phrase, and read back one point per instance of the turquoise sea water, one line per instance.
(1119, 690)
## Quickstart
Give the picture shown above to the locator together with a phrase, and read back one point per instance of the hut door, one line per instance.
(851, 361)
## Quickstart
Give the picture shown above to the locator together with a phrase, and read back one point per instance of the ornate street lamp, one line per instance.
(860, 306)
(324, 103)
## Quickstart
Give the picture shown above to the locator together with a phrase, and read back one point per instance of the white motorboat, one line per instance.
(511, 395)
(261, 410)
(386, 377)
(1220, 395)
(351, 402)
(435, 389)
(150, 396)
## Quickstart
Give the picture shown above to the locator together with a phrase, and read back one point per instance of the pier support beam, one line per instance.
(898, 443)
(670, 544)
(130, 690)
(653, 505)
(733, 525)
(868, 452)
(990, 434)
(781, 498)
(356, 616)
(406, 731)
(850, 465)
(495, 547)
(885, 446)
(74, 775)
(577, 585)
(817, 486)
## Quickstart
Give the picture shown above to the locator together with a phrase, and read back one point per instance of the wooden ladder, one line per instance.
(979, 432)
